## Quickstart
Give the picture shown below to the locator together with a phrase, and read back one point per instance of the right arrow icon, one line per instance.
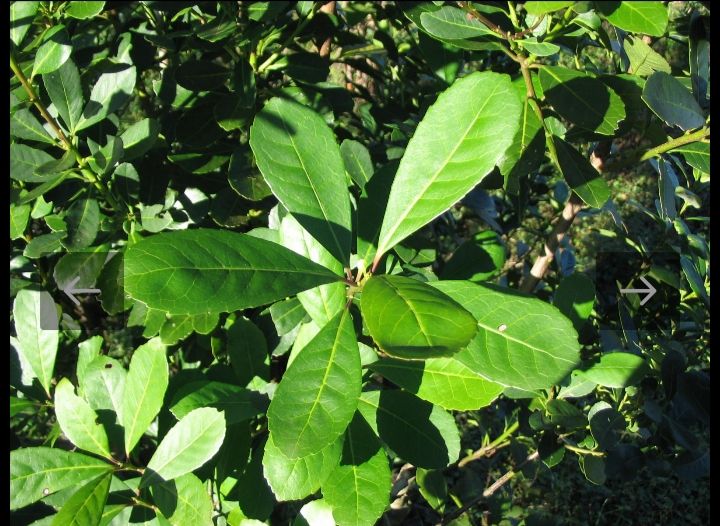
(650, 290)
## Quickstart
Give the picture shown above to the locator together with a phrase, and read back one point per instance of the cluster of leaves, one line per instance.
(261, 191)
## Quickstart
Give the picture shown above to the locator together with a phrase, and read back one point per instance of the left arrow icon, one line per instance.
(70, 290)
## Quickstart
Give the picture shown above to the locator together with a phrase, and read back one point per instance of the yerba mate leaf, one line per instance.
(411, 319)
(297, 154)
(458, 142)
(316, 399)
(521, 342)
(201, 271)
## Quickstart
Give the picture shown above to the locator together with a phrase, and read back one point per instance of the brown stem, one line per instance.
(488, 492)
(481, 18)
(542, 263)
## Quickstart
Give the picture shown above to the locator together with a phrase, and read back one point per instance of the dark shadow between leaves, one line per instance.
(330, 235)
(594, 94)
(360, 442)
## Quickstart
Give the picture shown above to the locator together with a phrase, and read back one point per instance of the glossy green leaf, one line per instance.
(108, 94)
(540, 8)
(184, 501)
(139, 138)
(297, 154)
(247, 350)
(521, 341)
(36, 323)
(357, 161)
(575, 297)
(86, 504)
(286, 315)
(697, 155)
(199, 271)
(358, 488)
(198, 75)
(88, 350)
(463, 135)
(477, 259)
(21, 17)
(19, 215)
(644, 60)
(296, 478)
(617, 369)
(54, 51)
(580, 175)
(581, 99)
(541, 49)
(411, 319)
(315, 400)
(442, 381)
(452, 23)
(315, 513)
(145, 387)
(649, 18)
(103, 385)
(36, 472)
(564, 414)
(419, 432)
(78, 421)
(175, 329)
(83, 10)
(236, 403)
(188, 445)
(25, 160)
(43, 245)
(371, 209)
(322, 303)
(432, 486)
(606, 424)
(83, 221)
(593, 467)
(24, 125)
(672, 102)
(63, 87)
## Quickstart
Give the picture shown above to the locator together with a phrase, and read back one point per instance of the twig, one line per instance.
(488, 492)
(674, 143)
(491, 447)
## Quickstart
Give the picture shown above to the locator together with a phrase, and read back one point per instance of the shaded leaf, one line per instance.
(357, 161)
(86, 504)
(580, 175)
(672, 102)
(617, 369)
(184, 501)
(108, 94)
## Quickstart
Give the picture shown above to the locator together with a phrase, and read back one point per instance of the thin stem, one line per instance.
(481, 18)
(582, 451)
(39, 105)
(495, 444)
(674, 143)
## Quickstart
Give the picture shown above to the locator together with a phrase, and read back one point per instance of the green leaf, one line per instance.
(83, 221)
(315, 400)
(644, 60)
(540, 8)
(204, 270)
(19, 215)
(617, 369)
(672, 102)
(88, 350)
(78, 421)
(197, 128)
(575, 297)
(411, 319)
(22, 405)
(139, 138)
(83, 10)
(307, 67)
(188, 445)
(86, 504)
(54, 51)
(582, 99)
(296, 478)
(606, 424)
(443, 58)
(357, 161)
(236, 403)
(432, 486)
(358, 489)
(297, 154)
(322, 303)
(63, 87)
(43, 245)
(371, 209)
(580, 175)
(24, 160)
(593, 467)
(247, 184)
(697, 155)
(463, 135)
(36, 472)
(478, 259)
(314, 513)
(521, 342)
(650, 18)
(286, 315)
(452, 23)
(247, 350)
(103, 385)
(145, 387)
(419, 432)
(541, 49)
(184, 501)
(36, 324)
(442, 381)
(21, 17)
(108, 94)
(564, 414)
(24, 125)
(200, 75)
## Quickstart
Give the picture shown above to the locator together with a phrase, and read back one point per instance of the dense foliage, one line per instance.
(312, 262)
